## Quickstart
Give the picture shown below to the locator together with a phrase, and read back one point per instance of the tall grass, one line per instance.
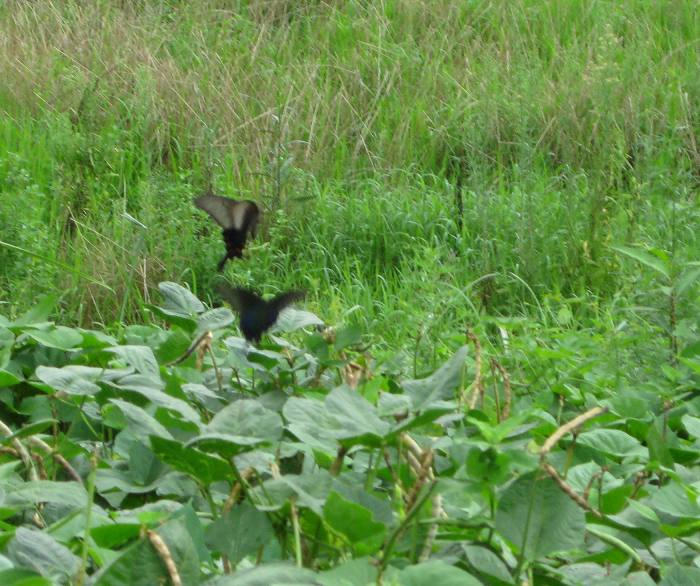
(564, 126)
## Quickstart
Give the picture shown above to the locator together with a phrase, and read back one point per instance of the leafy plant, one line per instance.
(177, 453)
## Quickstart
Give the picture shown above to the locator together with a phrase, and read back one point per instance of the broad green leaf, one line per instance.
(680, 576)
(38, 315)
(242, 423)
(7, 338)
(649, 260)
(441, 385)
(138, 565)
(355, 523)
(141, 424)
(239, 532)
(379, 505)
(308, 420)
(29, 494)
(8, 378)
(95, 339)
(214, 319)
(261, 360)
(694, 365)
(38, 551)
(692, 425)
(204, 467)
(112, 479)
(115, 534)
(29, 429)
(485, 464)
(638, 516)
(179, 300)
(265, 358)
(175, 533)
(199, 393)
(487, 563)
(581, 477)
(347, 336)
(195, 528)
(585, 573)
(153, 513)
(638, 579)
(187, 323)
(397, 406)
(625, 404)
(275, 574)
(310, 491)
(658, 447)
(172, 346)
(151, 389)
(613, 443)
(674, 499)
(428, 414)
(436, 572)
(144, 466)
(291, 319)
(524, 516)
(356, 572)
(68, 379)
(495, 433)
(353, 419)
(22, 577)
(60, 337)
(140, 358)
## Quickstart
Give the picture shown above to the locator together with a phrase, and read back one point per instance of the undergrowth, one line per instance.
(363, 129)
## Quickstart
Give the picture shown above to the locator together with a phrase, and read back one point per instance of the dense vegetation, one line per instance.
(501, 193)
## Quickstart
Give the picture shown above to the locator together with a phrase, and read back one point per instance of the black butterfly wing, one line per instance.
(230, 213)
(237, 218)
(257, 315)
(250, 218)
(278, 303)
(221, 209)
(241, 299)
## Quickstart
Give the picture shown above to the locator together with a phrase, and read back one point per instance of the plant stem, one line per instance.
(396, 533)
(80, 580)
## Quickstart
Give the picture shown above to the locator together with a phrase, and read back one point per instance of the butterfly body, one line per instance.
(257, 315)
(236, 218)
(235, 243)
(257, 320)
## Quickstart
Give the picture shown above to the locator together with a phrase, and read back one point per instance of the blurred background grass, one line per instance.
(362, 128)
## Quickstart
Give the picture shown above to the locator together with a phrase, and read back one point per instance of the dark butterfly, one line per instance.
(237, 218)
(257, 315)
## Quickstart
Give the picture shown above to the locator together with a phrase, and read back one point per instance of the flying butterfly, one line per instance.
(256, 314)
(236, 218)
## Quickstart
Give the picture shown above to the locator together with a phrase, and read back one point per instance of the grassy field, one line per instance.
(424, 166)
(493, 203)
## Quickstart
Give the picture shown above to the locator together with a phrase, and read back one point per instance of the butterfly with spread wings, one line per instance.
(256, 314)
(236, 218)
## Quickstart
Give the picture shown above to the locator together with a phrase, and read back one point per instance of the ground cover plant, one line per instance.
(492, 207)
(180, 454)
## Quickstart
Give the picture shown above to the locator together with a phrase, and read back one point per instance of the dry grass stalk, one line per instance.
(162, 548)
(552, 440)
(24, 454)
(580, 501)
(477, 384)
(507, 391)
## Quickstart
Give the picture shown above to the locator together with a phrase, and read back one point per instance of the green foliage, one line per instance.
(522, 172)
(564, 129)
(238, 465)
